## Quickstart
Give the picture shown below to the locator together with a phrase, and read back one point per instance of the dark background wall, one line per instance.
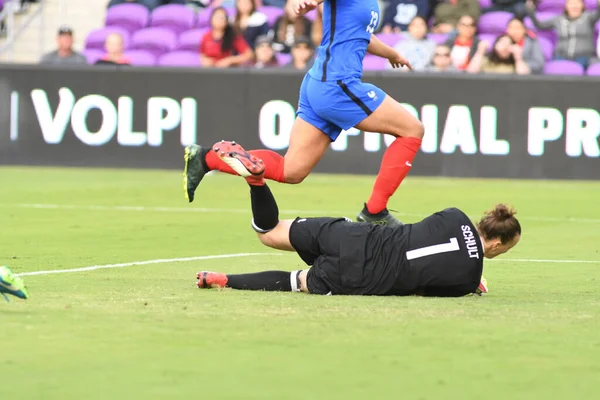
(532, 127)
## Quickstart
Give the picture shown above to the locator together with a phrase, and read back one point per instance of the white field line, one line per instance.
(527, 260)
(332, 213)
(148, 262)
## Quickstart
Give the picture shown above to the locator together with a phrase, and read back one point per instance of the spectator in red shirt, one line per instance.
(464, 44)
(221, 46)
(114, 51)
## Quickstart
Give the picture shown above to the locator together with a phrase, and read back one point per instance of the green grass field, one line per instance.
(146, 332)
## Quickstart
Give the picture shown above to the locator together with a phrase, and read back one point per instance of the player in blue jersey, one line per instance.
(333, 98)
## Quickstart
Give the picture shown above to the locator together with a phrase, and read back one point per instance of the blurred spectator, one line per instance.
(274, 3)
(288, 27)
(316, 32)
(265, 55)
(223, 3)
(64, 54)
(302, 55)
(464, 44)
(441, 60)
(399, 13)
(574, 29)
(222, 46)
(506, 58)
(516, 7)
(532, 51)
(114, 51)
(448, 12)
(249, 22)
(415, 46)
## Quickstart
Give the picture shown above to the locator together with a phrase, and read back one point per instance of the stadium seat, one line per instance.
(190, 40)
(494, 22)
(93, 55)
(203, 18)
(283, 59)
(96, 39)
(180, 59)
(542, 16)
(176, 17)
(131, 17)
(593, 70)
(438, 38)
(485, 4)
(391, 39)
(563, 67)
(555, 6)
(547, 47)
(141, 58)
(374, 63)
(490, 38)
(272, 13)
(154, 40)
(591, 4)
(311, 15)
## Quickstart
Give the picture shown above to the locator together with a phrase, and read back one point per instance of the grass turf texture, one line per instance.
(146, 332)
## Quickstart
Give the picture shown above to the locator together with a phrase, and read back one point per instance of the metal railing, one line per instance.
(13, 30)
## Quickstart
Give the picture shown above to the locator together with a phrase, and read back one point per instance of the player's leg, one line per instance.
(391, 118)
(11, 284)
(309, 139)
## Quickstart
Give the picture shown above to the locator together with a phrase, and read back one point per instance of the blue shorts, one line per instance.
(334, 106)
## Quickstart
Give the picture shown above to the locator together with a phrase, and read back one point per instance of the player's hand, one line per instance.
(397, 61)
(301, 7)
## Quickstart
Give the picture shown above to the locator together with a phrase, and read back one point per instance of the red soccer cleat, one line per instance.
(207, 280)
(245, 164)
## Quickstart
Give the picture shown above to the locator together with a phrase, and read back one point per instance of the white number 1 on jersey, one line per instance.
(435, 249)
(373, 24)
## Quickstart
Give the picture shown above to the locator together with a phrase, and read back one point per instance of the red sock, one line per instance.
(273, 164)
(395, 165)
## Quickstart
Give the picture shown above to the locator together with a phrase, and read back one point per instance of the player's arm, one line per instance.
(301, 7)
(380, 49)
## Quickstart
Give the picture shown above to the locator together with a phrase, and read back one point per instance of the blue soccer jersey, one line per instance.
(347, 29)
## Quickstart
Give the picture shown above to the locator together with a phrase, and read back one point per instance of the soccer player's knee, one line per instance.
(417, 129)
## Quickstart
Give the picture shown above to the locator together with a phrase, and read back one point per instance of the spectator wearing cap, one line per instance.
(288, 28)
(114, 51)
(441, 61)
(415, 47)
(64, 54)
(302, 54)
(448, 12)
(249, 22)
(399, 13)
(265, 55)
(222, 46)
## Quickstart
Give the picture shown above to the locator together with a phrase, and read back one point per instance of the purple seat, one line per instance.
(176, 17)
(374, 63)
(311, 15)
(542, 16)
(563, 67)
(485, 4)
(494, 22)
(141, 58)
(438, 38)
(590, 4)
(155, 40)
(283, 59)
(391, 39)
(180, 59)
(190, 40)
(490, 38)
(272, 13)
(93, 55)
(547, 48)
(128, 16)
(555, 6)
(96, 39)
(593, 70)
(203, 18)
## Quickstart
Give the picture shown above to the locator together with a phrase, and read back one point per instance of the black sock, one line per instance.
(274, 281)
(265, 212)
(203, 154)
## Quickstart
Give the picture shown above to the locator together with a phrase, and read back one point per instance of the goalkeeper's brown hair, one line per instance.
(500, 223)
